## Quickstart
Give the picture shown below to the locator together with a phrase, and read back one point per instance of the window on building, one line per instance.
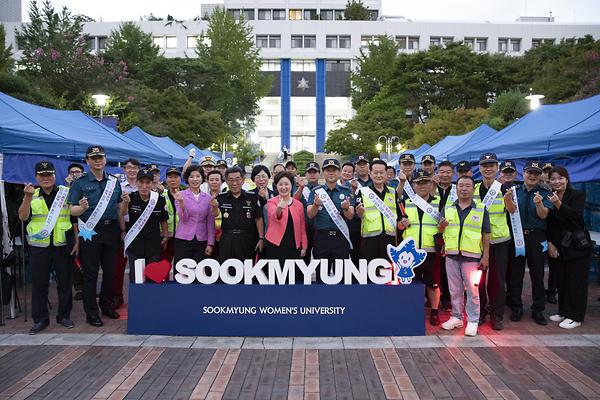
(502, 45)
(435, 41)
(270, 65)
(159, 41)
(248, 14)
(171, 42)
(295, 15)
(274, 41)
(310, 14)
(327, 15)
(192, 42)
(373, 15)
(303, 65)
(101, 42)
(469, 42)
(345, 42)
(310, 41)
(279, 15)
(446, 40)
(481, 44)
(339, 15)
(401, 40)
(297, 41)
(90, 43)
(262, 41)
(539, 42)
(338, 66)
(515, 45)
(264, 15)
(235, 13)
(413, 43)
(331, 42)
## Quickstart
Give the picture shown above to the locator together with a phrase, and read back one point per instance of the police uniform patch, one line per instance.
(475, 218)
(225, 215)
(342, 197)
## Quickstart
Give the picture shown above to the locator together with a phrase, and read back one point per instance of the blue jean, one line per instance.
(460, 271)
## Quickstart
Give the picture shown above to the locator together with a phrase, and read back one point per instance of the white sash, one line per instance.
(426, 207)
(358, 187)
(305, 193)
(334, 213)
(53, 214)
(517, 228)
(409, 190)
(453, 196)
(140, 223)
(381, 206)
(490, 196)
(86, 230)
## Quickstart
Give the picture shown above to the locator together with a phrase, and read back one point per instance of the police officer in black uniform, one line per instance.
(103, 247)
(242, 219)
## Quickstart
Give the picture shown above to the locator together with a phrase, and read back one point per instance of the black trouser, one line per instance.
(330, 245)
(356, 243)
(144, 253)
(572, 277)
(535, 256)
(376, 246)
(101, 251)
(553, 283)
(492, 286)
(240, 246)
(194, 249)
(310, 237)
(42, 260)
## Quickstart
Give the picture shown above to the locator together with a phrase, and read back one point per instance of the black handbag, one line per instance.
(582, 239)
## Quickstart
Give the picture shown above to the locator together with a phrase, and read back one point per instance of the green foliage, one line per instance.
(129, 44)
(56, 57)
(247, 151)
(384, 115)
(374, 69)
(234, 81)
(6, 60)
(21, 88)
(356, 11)
(448, 122)
(301, 158)
(507, 108)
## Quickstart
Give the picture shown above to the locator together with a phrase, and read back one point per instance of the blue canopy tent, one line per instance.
(444, 148)
(203, 153)
(163, 144)
(567, 134)
(29, 133)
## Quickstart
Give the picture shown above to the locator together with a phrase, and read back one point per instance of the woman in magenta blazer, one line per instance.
(195, 233)
(286, 231)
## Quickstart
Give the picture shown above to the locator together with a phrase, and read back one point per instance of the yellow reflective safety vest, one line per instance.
(500, 232)
(424, 230)
(371, 224)
(468, 242)
(39, 213)
(172, 214)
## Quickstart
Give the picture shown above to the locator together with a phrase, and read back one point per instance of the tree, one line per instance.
(132, 46)
(247, 151)
(383, 115)
(235, 82)
(6, 60)
(508, 107)
(374, 69)
(447, 122)
(356, 11)
(21, 88)
(56, 57)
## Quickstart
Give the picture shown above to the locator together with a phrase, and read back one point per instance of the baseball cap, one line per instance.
(407, 157)
(463, 166)
(362, 158)
(428, 158)
(421, 175)
(208, 160)
(173, 170)
(312, 166)
(547, 165)
(93, 151)
(290, 162)
(145, 173)
(221, 163)
(507, 164)
(532, 165)
(487, 158)
(153, 167)
(44, 167)
(331, 162)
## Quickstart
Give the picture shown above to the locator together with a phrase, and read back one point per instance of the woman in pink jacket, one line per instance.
(195, 233)
(286, 231)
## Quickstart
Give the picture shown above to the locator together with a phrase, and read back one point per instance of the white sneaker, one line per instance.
(452, 323)
(471, 329)
(569, 324)
(557, 318)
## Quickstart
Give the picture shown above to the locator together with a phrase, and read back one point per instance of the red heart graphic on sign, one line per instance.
(158, 271)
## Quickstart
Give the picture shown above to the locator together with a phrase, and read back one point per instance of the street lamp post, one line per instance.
(389, 142)
(534, 99)
(101, 100)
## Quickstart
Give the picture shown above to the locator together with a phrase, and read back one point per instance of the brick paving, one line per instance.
(525, 361)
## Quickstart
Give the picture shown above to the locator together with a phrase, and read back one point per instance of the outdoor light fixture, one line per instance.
(534, 99)
(101, 100)
(389, 142)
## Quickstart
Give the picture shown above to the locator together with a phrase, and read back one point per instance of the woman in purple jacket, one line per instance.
(195, 233)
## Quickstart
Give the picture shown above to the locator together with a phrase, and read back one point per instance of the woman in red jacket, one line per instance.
(286, 231)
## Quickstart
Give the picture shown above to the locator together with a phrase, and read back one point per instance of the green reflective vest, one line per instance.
(500, 231)
(468, 243)
(422, 231)
(172, 214)
(371, 221)
(39, 213)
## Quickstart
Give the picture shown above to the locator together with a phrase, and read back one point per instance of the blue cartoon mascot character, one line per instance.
(405, 258)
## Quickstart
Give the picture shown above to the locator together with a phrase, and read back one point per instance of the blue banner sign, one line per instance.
(276, 310)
